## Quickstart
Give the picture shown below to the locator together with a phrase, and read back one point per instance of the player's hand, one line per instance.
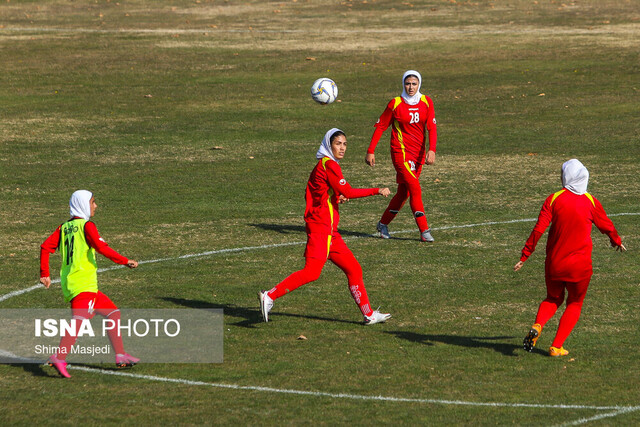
(46, 281)
(518, 266)
(342, 199)
(132, 263)
(621, 248)
(431, 157)
(370, 159)
(384, 192)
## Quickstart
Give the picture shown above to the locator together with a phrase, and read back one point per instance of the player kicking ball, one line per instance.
(571, 213)
(325, 190)
(78, 240)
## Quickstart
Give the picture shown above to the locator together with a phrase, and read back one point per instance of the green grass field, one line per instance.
(192, 123)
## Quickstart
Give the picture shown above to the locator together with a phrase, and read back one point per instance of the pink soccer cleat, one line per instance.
(60, 365)
(125, 360)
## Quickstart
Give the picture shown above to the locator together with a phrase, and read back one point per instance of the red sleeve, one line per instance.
(604, 224)
(341, 186)
(544, 219)
(95, 241)
(431, 126)
(48, 247)
(381, 125)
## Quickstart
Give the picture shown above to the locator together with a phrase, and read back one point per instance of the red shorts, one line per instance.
(407, 170)
(86, 304)
(320, 245)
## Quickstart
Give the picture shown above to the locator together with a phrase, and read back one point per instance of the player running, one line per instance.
(78, 240)
(413, 121)
(571, 211)
(325, 189)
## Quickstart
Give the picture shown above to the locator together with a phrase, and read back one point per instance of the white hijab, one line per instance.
(80, 204)
(575, 177)
(325, 146)
(411, 100)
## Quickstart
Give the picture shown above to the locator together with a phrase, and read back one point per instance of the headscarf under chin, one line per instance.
(80, 204)
(411, 100)
(325, 146)
(575, 177)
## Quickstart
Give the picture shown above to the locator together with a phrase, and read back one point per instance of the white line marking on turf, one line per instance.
(279, 245)
(619, 409)
(598, 417)
(21, 291)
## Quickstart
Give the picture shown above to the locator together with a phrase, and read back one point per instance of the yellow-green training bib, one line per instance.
(79, 272)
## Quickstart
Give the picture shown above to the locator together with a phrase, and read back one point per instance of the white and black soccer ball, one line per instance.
(324, 91)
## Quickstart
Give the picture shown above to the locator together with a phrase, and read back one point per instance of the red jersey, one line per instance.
(325, 184)
(409, 123)
(93, 239)
(569, 244)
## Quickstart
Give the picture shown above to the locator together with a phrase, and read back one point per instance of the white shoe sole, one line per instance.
(265, 313)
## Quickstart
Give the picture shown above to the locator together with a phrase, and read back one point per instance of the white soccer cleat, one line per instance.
(376, 317)
(266, 304)
(426, 236)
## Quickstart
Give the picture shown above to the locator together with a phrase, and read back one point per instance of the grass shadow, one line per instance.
(300, 229)
(251, 316)
(493, 343)
(35, 369)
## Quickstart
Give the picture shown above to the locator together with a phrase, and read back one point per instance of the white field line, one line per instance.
(618, 409)
(601, 416)
(278, 245)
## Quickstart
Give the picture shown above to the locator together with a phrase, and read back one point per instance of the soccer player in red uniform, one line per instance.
(78, 240)
(412, 120)
(571, 212)
(325, 189)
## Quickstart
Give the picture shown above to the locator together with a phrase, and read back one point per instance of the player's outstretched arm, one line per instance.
(46, 281)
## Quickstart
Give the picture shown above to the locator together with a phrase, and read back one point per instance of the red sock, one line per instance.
(359, 294)
(348, 263)
(114, 333)
(577, 291)
(417, 207)
(546, 311)
(310, 272)
(66, 342)
(421, 221)
(567, 322)
(395, 204)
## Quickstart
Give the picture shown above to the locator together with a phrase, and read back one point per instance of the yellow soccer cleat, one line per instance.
(556, 352)
(532, 337)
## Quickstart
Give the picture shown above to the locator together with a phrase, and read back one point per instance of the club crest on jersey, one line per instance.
(343, 181)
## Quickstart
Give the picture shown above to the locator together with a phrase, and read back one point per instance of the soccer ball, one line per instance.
(324, 91)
